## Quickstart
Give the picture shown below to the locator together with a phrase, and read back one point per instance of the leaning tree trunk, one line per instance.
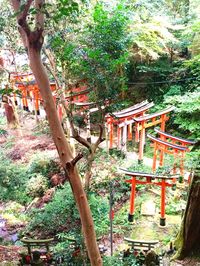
(33, 41)
(65, 156)
(188, 240)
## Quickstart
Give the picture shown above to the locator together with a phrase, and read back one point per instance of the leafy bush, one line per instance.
(100, 213)
(58, 215)
(187, 113)
(13, 178)
(3, 132)
(117, 261)
(42, 128)
(44, 164)
(2, 120)
(64, 207)
(36, 185)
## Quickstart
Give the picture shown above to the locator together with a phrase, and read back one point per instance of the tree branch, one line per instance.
(77, 136)
(22, 18)
(39, 17)
(100, 138)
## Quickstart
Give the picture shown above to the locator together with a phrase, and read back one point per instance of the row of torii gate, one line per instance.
(122, 126)
(30, 98)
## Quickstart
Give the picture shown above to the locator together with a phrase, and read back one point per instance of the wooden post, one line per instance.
(119, 135)
(162, 127)
(182, 164)
(162, 212)
(137, 136)
(124, 138)
(130, 132)
(36, 98)
(26, 100)
(23, 100)
(132, 199)
(110, 133)
(142, 142)
(155, 156)
(60, 112)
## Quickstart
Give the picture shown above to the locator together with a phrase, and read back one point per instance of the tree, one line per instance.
(33, 38)
(97, 54)
(188, 239)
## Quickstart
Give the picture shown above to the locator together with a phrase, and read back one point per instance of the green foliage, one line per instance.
(44, 164)
(3, 132)
(42, 128)
(187, 112)
(106, 53)
(13, 178)
(99, 54)
(58, 215)
(36, 185)
(100, 213)
(119, 261)
(2, 120)
(61, 214)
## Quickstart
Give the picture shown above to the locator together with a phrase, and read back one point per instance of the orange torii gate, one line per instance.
(16, 79)
(146, 121)
(123, 119)
(30, 91)
(148, 179)
(177, 147)
(167, 147)
(78, 95)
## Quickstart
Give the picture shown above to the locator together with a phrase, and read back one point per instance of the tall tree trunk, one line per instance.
(65, 155)
(10, 113)
(33, 41)
(188, 240)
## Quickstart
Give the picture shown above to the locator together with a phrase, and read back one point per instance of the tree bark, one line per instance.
(10, 113)
(66, 156)
(188, 240)
(33, 41)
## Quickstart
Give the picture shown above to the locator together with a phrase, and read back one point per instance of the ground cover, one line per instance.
(27, 146)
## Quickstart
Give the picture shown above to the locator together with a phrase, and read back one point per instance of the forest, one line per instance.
(100, 132)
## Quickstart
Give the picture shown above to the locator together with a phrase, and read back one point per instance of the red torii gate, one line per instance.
(26, 84)
(165, 181)
(147, 121)
(125, 116)
(177, 147)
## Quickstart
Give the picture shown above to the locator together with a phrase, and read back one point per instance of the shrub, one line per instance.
(13, 178)
(100, 213)
(37, 185)
(58, 215)
(42, 128)
(61, 214)
(44, 164)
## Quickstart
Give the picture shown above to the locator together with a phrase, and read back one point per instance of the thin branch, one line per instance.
(22, 18)
(76, 159)
(53, 74)
(24, 14)
(70, 165)
(77, 136)
(39, 17)
(100, 138)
